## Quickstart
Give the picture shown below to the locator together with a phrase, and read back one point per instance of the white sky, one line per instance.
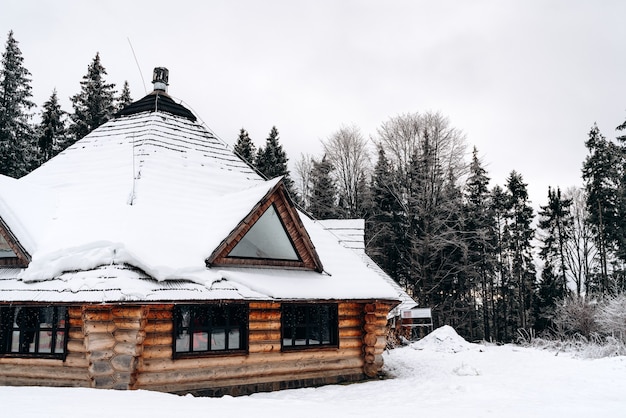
(525, 80)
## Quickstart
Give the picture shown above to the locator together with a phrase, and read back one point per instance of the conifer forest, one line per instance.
(479, 254)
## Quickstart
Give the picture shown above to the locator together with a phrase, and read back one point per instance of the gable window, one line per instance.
(5, 249)
(266, 239)
(204, 329)
(309, 325)
(33, 331)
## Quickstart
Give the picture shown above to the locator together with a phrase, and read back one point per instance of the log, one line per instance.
(262, 335)
(286, 370)
(264, 306)
(157, 351)
(94, 314)
(160, 327)
(98, 327)
(163, 312)
(128, 312)
(76, 346)
(350, 323)
(158, 340)
(264, 316)
(128, 323)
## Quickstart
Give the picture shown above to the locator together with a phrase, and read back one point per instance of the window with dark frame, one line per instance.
(33, 331)
(309, 326)
(210, 329)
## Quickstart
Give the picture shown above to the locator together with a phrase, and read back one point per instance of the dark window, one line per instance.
(33, 331)
(203, 329)
(312, 325)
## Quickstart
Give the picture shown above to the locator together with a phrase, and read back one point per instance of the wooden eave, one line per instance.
(277, 196)
(22, 258)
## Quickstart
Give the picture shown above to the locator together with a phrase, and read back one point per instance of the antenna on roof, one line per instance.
(138, 67)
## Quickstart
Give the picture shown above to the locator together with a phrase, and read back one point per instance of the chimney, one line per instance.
(160, 77)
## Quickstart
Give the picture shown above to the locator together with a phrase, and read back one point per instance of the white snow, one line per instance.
(425, 379)
(159, 193)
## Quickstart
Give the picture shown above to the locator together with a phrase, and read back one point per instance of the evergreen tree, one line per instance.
(95, 104)
(52, 131)
(602, 177)
(520, 236)
(125, 98)
(479, 230)
(244, 147)
(549, 294)
(556, 221)
(324, 194)
(16, 133)
(271, 161)
(501, 297)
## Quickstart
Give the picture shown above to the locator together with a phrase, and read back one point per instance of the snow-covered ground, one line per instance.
(439, 376)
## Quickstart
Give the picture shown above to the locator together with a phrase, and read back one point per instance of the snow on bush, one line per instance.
(588, 328)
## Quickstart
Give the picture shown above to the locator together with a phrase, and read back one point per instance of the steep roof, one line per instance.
(133, 211)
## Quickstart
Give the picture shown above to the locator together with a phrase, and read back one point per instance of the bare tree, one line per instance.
(405, 136)
(303, 168)
(580, 252)
(348, 153)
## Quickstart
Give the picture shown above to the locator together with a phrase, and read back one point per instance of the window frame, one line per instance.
(312, 321)
(58, 327)
(209, 328)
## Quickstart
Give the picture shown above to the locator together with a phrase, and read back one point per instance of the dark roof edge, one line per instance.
(157, 101)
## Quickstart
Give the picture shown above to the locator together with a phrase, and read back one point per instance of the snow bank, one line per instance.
(444, 340)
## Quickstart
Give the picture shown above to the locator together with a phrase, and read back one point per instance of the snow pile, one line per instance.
(492, 381)
(443, 340)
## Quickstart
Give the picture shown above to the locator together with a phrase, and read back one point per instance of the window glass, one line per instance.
(266, 239)
(33, 330)
(210, 328)
(5, 249)
(311, 325)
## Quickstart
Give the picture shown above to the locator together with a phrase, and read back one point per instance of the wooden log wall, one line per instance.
(264, 368)
(114, 337)
(130, 347)
(50, 372)
(375, 338)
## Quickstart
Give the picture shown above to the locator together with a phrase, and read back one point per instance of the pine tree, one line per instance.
(125, 98)
(556, 222)
(501, 297)
(52, 131)
(479, 230)
(520, 236)
(385, 230)
(602, 177)
(95, 104)
(324, 194)
(244, 147)
(271, 161)
(16, 133)
(549, 294)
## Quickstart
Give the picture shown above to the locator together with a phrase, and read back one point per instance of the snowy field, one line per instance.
(439, 376)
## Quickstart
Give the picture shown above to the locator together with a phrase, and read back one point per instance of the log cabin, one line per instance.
(149, 256)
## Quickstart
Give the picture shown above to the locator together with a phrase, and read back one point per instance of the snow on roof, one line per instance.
(351, 234)
(156, 192)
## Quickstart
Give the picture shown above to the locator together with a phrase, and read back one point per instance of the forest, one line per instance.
(476, 253)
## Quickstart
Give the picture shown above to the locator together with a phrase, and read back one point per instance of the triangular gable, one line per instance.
(271, 235)
(12, 253)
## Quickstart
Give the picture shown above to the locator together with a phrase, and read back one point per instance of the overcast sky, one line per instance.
(524, 80)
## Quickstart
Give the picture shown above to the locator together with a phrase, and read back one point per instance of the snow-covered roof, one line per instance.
(351, 234)
(133, 210)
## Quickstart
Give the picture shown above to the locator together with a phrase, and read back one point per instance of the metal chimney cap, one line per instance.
(160, 78)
